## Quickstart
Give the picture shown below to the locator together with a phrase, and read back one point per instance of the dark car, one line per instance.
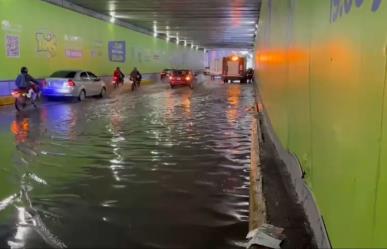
(183, 77)
(165, 73)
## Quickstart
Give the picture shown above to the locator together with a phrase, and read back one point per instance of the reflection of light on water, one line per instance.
(115, 162)
(115, 127)
(234, 94)
(21, 129)
(187, 104)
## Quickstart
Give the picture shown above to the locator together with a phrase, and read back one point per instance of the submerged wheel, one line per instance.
(103, 93)
(82, 95)
(18, 105)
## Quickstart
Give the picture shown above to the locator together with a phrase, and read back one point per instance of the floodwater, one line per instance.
(158, 168)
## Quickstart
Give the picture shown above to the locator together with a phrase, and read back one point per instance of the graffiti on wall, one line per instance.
(339, 8)
(46, 43)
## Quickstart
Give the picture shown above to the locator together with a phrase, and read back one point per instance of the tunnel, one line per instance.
(192, 124)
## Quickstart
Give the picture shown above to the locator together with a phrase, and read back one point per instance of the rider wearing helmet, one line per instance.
(136, 76)
(119, 75)
(24, 81)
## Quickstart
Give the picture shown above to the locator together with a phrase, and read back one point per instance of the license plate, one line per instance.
(178, 78)
(56, 83)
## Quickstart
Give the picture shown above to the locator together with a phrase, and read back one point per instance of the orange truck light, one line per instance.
(234, 58)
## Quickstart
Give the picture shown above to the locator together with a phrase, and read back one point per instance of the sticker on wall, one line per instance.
(117, 51)
(12, 43)
(339, 8)
(46, 43)
(8, 26)
(156, 56)
(74, 53)
(73, 46)
(147, 55)
(96, 49)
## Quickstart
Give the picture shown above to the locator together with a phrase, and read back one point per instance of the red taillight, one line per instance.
(170, 78)
(187, 78)
(16, 94)
(71, 83)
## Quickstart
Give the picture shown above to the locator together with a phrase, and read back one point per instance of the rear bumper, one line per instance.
(233, 77)
(179, 83)
(50, 92)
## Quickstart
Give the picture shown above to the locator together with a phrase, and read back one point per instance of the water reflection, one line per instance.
(234, 93)
(168, 168)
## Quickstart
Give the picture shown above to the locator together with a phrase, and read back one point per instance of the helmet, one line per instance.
(24, 70)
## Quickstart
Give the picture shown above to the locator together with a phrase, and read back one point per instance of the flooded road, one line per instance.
(158, 168)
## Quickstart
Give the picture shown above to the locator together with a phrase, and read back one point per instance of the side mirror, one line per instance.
(97, 79)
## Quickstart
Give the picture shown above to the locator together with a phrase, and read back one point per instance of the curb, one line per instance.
(257, 200)
(147, 82)
(6, 100)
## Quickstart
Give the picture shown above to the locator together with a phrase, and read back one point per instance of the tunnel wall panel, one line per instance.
(321, 68)
(47, 38)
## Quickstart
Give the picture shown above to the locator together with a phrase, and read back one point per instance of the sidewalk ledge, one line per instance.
(6, 100)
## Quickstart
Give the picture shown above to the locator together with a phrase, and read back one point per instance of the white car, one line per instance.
(78, 84)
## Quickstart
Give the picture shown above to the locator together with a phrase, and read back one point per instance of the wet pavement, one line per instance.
(157, 168)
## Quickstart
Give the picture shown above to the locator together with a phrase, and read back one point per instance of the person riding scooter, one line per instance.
(118, 77)
(26, 82)
(136, 77)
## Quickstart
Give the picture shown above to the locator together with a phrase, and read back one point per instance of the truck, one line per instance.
(216, 68)
(234, 68)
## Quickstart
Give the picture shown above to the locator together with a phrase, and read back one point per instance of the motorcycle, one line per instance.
(135, 82)
(25, 97)
(117, 81)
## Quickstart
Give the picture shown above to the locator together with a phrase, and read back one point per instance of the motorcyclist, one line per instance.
(136, 76)
(119, 75)
(26, 82)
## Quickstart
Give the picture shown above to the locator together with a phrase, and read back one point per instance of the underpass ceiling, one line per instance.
(205, 23)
